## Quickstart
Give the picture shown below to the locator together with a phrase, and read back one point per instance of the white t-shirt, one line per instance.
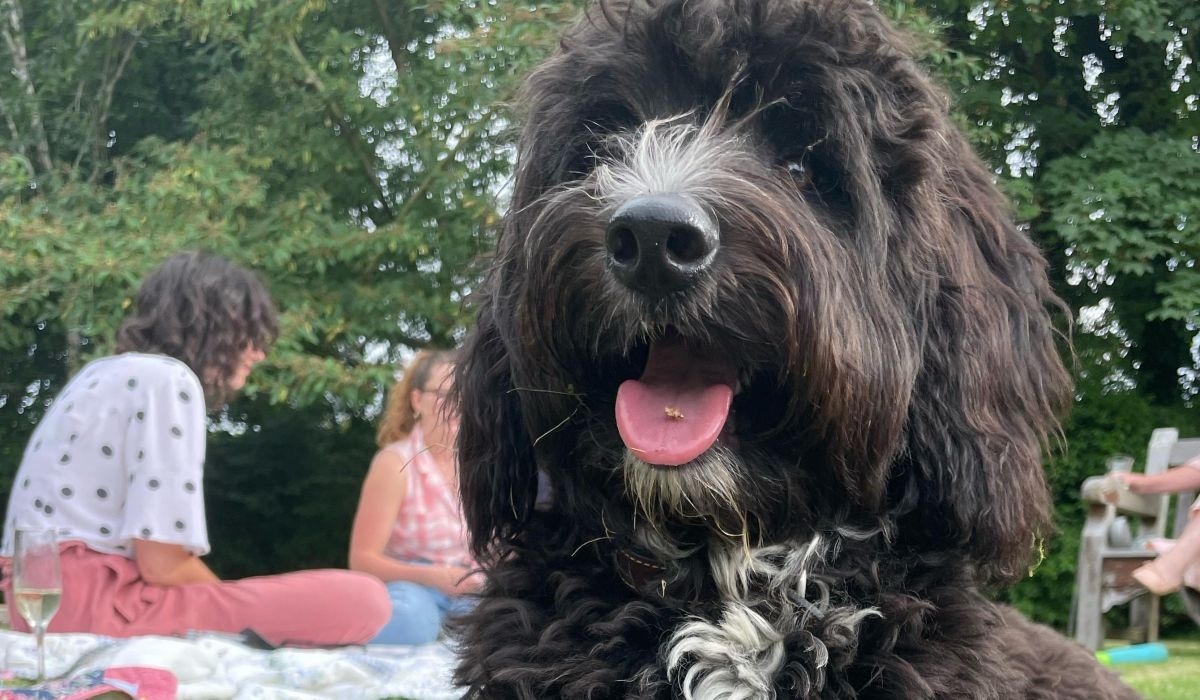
(119, 455)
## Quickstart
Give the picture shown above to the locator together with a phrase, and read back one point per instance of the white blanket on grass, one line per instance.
(217, 667)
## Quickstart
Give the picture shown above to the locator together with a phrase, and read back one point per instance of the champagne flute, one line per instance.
(37, 584)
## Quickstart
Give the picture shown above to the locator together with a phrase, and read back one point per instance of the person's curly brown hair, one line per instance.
(399, 417)
(202, 310)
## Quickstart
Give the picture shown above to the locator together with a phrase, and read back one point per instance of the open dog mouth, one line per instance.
(679, 407)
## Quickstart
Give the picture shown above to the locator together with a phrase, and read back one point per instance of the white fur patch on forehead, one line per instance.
(674, 155)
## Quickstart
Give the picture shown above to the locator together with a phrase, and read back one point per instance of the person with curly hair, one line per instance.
(116, 467)
(409, 528)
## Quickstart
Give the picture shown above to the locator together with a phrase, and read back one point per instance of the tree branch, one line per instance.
(104, 98)
(14, 39)
(16, 137)
(395, 44)
(366, 156)
(435, 170)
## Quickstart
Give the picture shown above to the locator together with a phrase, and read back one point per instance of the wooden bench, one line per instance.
(1114, 543)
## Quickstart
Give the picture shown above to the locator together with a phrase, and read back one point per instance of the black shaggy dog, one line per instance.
(762, 329)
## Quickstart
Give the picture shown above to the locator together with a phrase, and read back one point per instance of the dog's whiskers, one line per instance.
(573, 394)
(560, 424)
(591, 541)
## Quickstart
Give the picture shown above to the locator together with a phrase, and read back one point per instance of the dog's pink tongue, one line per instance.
(677, 409)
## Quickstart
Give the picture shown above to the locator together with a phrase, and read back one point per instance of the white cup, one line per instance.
(1120, 464)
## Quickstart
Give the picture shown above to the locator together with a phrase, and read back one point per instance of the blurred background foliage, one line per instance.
(349, 150)
(356, 153)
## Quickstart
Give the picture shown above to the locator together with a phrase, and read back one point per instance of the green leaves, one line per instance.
(1129, 203)
(348, 150)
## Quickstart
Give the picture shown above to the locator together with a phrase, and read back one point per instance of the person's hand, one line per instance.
(460, 581)
(472, 583)
(1134, 482)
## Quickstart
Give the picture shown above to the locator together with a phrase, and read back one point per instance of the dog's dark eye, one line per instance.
(581, 162)
(602, 119)
(799, 171)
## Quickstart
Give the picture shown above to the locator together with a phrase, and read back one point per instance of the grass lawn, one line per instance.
(1177, 678)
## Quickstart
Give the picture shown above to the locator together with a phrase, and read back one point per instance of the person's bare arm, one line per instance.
(383, 491)
(1185, 477)
(170, 564)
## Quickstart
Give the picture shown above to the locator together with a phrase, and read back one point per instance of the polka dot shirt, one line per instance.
(118, 456)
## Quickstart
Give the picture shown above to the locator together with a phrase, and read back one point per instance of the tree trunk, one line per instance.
(14, 40)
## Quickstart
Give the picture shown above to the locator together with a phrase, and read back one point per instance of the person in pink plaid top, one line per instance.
(409, 528)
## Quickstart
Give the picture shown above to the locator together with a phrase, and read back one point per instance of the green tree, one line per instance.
(350, 150)
(1088, 110)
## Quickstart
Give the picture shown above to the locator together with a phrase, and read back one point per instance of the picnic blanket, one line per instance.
(120, 682)
(221, 667)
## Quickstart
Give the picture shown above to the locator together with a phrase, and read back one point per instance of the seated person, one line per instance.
(1178, 564)
(409, 528)
(116, 467)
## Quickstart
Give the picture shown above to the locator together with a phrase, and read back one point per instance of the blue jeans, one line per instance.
(417, 613)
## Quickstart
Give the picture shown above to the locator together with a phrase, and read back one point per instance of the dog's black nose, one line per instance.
(658, 244)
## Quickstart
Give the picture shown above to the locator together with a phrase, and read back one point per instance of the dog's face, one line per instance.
(754, 283)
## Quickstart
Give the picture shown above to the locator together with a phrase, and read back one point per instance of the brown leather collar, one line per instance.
(641, 572)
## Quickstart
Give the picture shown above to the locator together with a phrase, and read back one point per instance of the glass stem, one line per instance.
(40, 634)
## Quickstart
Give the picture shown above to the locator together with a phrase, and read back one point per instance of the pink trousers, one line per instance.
(105, 594)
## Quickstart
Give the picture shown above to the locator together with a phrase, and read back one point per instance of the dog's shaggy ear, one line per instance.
(991, 387)
(497, 469)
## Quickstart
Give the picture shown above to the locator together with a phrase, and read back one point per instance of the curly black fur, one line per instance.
(898, 379)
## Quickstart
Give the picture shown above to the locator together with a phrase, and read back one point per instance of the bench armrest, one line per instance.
(1106, 490)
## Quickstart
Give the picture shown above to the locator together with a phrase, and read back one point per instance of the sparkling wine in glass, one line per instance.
(37, 584)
